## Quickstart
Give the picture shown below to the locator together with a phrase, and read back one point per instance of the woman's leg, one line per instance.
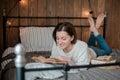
(99, 20)
(91, 41)
(98, 51)
(102, 49)
(103, 44)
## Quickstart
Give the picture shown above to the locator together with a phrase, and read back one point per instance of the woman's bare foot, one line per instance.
(92, 26)
(91, 22)
(99, 20)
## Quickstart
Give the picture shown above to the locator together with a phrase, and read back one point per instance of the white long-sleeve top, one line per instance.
(80, 54)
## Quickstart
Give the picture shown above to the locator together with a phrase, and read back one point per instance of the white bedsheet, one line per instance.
(48, 74)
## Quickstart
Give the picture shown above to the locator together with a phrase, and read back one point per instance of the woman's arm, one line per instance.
(65, 59)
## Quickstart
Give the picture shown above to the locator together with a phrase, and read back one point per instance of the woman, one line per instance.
(67, 48)
(76, 52)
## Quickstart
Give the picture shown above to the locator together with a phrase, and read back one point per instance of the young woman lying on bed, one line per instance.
(75, 52)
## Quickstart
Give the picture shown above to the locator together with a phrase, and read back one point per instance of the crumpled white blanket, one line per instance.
(47, 74)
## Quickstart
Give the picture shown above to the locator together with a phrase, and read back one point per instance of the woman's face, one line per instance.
(63, 39)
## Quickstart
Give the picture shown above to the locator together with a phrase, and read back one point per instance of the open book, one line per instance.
(105, 60)
(48, 60)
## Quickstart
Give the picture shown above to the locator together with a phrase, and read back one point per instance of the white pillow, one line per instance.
(37, 38)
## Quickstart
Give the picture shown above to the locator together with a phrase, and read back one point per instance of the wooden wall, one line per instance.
(62, 8)
(113, 28)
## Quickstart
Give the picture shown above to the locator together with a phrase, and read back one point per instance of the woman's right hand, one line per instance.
(65, 59)
(62, 58)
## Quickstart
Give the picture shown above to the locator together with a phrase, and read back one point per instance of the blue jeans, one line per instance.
(102, 49)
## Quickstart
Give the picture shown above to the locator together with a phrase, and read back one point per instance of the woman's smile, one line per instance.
(64, 40)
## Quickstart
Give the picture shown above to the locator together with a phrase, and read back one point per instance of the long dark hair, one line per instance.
(67, 27)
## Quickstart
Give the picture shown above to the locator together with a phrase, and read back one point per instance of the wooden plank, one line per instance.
(12, 38)
(68, 9)
(60, 10)
(50, 11)
(77, 13)
(33, 11)
(100, 6)
(85, 34)
(23, 12)
(85, 13)
(41, 11)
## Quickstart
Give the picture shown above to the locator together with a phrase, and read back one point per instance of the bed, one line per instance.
(37, 41)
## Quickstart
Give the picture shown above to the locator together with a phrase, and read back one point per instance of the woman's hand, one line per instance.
(43, 59)
(39, 59)
(65, 59)
(59, 59)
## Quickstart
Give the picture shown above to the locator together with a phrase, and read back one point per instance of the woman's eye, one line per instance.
(64, 38)
(57, 38)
